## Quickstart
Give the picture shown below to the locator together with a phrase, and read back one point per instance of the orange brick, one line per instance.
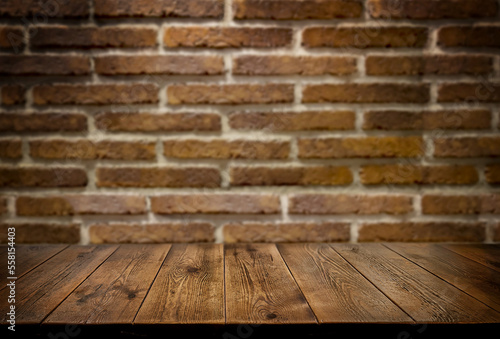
(466, 147)
(42, 122)
(461, 204)
(42, 177)
(36, 233)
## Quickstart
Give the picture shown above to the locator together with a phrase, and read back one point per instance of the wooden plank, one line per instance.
(42, 289)
(335, 291)
(189, 288)
(485, 254)
(422, 295)
(481, 282)
(116, 290)
(260, 288)
(27, 258)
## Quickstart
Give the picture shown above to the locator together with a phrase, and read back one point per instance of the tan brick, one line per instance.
(42, 177)
(12, 37)
(365, 37)
(93, 37)
(11, 148)
(226, 37)
(469, 92)
(158, 177)
(432, 9)
(159, 8)
(90, 150)
(469, 36)
(461, 204)
(234, 94)
(424, 232)
(366, 93)
(286, 232)
(291, 121)
(95, 94)
(293, 65)
(13, 95)
(268, 176)
(296, 10)
(37, 233)
(159, 64)
(45, 9)
(225, 203)
(42, 64)
(149, 122)
(42, 122)
(465, 147)
(428, 65)
(492, 173)
(80, 204)
(349, 204)
(3, 205)
(151, 233)
(367, 147)
(417, 174)
(226, 149)
(427, 120)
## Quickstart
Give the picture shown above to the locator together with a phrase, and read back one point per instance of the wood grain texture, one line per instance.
(336, 292)
(189, 288)
(42, 289)
(485, 254)
(481, 282)
(422, 295)
(115, 291)
(27, 258)
(260, 289)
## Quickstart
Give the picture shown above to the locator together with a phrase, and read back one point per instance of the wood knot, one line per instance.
(131, 295)
(271, 316)
(191, 269)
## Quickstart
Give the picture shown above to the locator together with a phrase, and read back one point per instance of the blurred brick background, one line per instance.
(250, 120)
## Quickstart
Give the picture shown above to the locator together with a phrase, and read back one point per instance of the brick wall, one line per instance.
(250, 120)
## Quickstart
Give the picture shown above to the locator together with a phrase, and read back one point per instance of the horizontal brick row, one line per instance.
(42, 122)
(461, 204)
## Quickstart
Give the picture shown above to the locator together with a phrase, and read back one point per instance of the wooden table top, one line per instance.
(215, 284)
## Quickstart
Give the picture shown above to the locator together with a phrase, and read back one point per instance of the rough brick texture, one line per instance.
(157, 121)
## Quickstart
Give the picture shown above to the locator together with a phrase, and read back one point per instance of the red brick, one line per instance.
(465, 147)
(291, 121)
(158, 177)
(95, 94)
(159, 8)
(417, 174)
(13, 95)
(268, 176)
(226, 37)
(225, 203)
(291, 65)
(93, 37)
(424, 232)
(42, 122)
(365, 37)
(3, 206)
(427, 120)
(461, 204)
(429, 65)
(286, 232)
(80, 204)
(149, 122)
(349, 204)
(226, 149)
(469, 36)
(366, 93)
(492, 174)
(159, 64)
(151, 233)
(42, 10)
(296, 10)
(44, 64)
(234, 94)
(367, 147)
(432, 9)
(36, 233)
(42, 177)
(469, 92)
(11, 148)
(12, 37)
(90, 150)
